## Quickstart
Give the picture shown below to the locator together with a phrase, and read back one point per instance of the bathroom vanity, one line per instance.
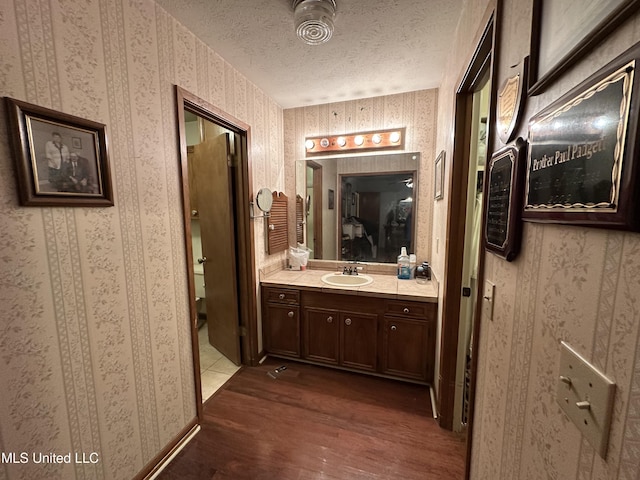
(386, 328)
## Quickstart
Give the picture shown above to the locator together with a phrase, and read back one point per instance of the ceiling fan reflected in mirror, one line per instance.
(408, 182)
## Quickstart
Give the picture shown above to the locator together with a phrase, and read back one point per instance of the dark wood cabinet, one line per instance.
(368, 334)
(348, 339)
(321, 335)
(408, 340)
(281, 330)
(404, 348)
(359, 341)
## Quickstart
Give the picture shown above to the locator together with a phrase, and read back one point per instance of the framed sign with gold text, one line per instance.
(502, 226)
(582, 166)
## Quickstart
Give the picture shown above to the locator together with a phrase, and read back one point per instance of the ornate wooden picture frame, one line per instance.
(582, 165)
(61, 160)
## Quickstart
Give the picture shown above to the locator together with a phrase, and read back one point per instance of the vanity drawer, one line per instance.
(282, 295)
(409, 309)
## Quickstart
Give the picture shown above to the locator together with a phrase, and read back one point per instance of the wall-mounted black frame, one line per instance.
(502, 225)
(555, 48)
(582, 166)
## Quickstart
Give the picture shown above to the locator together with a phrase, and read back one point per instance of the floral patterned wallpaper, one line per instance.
(580, 285)
(95, 347)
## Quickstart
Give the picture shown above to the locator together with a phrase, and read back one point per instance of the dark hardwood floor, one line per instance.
(318, 423)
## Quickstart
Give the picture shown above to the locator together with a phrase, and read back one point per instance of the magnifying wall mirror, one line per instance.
(264, 200)
(358, 208)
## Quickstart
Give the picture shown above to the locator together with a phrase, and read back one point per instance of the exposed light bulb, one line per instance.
(309, 144)
(358, 140)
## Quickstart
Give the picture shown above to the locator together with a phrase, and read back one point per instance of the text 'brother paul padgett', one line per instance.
(50, 457)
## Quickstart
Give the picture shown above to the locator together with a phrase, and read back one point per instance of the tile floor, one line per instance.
(215, 368)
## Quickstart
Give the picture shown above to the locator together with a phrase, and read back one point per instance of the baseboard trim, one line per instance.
(162, 460)
(434, 407)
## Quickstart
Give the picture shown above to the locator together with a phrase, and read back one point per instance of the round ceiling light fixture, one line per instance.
(314, 20)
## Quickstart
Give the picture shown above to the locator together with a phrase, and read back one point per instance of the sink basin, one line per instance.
(340, 280)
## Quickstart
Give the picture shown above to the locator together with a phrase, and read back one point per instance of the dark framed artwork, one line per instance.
(438, 177)
(331, 199)
(582, 165)
(61, 160)
(563, 32)
(502, 225)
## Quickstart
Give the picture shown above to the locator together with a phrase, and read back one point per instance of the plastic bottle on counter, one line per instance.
(404, 269)
(412, 265)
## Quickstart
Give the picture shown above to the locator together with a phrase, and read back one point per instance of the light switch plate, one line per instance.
(487, 299)
(586, 396)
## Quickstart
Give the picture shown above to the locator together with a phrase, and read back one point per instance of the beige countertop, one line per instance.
(383, 286)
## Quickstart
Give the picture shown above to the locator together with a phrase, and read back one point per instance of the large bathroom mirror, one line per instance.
(358, 208)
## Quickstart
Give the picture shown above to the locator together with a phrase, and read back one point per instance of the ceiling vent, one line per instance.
(314, 20)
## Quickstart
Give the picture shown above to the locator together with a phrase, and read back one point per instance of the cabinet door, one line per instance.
(282, 330)
(406, 348)
(358, 340)
(321, 335)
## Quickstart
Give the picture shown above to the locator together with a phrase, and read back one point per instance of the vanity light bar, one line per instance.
(392, 139)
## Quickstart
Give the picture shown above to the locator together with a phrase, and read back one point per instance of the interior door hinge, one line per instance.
(232, 160)
(243, 331)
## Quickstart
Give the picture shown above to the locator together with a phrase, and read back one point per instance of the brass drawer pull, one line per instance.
(393, 328)
(406, 310)
(347, 322)
(329, 319)
(290, 314)
(281, 296)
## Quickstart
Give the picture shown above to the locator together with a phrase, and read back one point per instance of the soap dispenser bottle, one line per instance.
(404, 268)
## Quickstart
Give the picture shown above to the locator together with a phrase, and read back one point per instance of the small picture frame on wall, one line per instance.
(61, 160)
(438, 169)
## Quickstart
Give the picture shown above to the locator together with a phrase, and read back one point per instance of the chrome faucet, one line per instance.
(351, 270)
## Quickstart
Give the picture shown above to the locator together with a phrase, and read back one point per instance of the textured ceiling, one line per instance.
(379, 47)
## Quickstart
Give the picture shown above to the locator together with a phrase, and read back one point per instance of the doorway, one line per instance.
(314, 209)
(219, 242)
(474, 104)
(471, 248)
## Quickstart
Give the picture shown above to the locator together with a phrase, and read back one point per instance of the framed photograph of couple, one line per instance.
(61, 160)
